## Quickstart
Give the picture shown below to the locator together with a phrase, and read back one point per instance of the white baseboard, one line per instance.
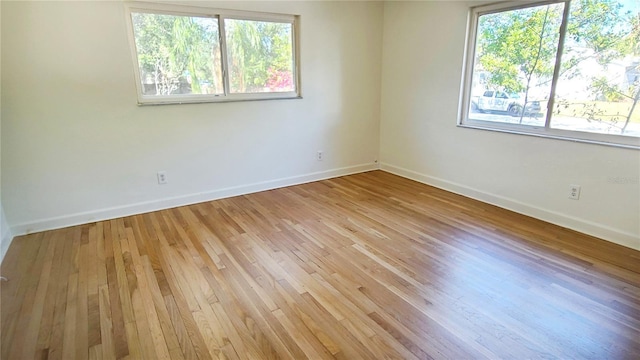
(588, 227)
(167, 203)
(598, 230)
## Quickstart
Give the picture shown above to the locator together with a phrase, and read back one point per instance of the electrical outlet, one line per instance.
(574, 192)
(319, 156)
(162, 177)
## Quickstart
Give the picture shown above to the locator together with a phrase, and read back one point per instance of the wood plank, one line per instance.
(145, 334)
(42, 311)
(55, 340)
(106, 325)
(70, 319)
(82, 323)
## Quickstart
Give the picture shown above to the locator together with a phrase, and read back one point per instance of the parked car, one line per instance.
(492, 100)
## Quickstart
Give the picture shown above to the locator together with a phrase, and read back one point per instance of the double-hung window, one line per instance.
(191, 54)
(563, 69)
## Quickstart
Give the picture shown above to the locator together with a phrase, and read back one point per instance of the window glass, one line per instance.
(564, 69)
(597, 88)
(187, 54)
(515, 53)
(177, 54)
(260, 56)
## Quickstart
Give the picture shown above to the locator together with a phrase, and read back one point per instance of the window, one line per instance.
(191, 55)
(562, 69)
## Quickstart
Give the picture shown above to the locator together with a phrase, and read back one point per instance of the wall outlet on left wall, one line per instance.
(162, 177)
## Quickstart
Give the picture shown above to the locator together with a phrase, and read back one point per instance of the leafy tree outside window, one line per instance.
(181, 56)
(259, 55)
(177, 54)
(570, 69)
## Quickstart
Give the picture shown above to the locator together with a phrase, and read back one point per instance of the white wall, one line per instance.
(76, 147)
(423, 46)
(5, 231)
(5, 234)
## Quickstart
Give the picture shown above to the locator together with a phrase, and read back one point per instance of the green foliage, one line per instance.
(181, 54)
(518, 48)
(602, 89)
(517, 45)
(633, 39)
(256, 51)
(175, 53)
(598, 25)
(596, 29)
(609, 34)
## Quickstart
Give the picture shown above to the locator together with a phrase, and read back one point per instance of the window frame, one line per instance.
(545, 131)
(220, 15)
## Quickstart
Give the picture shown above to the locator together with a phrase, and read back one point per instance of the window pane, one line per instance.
(178, 54)
(515, 57)
(597, 89)
(260, 56)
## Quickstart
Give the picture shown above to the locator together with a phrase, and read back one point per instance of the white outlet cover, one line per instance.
(574, 192)
(162, 177)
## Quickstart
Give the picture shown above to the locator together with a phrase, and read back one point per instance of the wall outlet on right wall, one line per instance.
(574, 192)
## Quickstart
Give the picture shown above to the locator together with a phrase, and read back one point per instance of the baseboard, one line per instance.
(168, 203)
(598, 230)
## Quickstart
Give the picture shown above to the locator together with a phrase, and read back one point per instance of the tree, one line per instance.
(612, 93)
(177, 52)
(601, 30)
(518, 47)
(597, 26)
(260, 55)
(182, 54)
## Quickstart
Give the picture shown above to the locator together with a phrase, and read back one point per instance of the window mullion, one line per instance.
(223, 55)
(558, 64)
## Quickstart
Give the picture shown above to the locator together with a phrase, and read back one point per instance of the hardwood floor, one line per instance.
(364, 266)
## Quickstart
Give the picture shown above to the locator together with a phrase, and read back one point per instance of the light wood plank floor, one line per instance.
(365, 266)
